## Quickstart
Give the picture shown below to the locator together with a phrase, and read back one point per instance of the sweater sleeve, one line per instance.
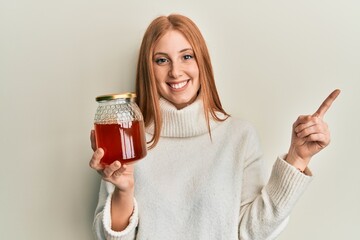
(102, 220)
(265, 207)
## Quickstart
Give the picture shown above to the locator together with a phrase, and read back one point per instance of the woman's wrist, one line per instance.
(123, 194)
(296, 162)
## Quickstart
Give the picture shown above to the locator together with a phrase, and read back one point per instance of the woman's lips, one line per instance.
(179, 85)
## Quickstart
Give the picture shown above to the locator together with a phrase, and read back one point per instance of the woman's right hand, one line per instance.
(121, 175)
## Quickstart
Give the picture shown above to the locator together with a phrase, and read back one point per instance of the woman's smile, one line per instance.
(178, 86)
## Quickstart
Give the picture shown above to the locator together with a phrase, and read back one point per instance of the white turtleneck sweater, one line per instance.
(191, 186)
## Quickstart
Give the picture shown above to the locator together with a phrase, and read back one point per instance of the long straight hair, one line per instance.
(146, 89)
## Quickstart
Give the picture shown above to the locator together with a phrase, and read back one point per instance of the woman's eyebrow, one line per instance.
(186, 49)
(160, 53)
(183, 50)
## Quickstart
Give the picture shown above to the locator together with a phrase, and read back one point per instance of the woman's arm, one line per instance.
(116, 214)
(266, 208)
(102, 221)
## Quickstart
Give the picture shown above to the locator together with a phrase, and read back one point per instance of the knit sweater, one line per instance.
(193, 186)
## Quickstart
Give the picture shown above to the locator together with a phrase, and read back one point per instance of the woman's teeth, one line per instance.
(178, 85)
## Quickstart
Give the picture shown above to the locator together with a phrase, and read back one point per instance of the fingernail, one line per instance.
(117, 164)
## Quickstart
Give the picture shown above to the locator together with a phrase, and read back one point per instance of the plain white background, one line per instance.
(273, 60)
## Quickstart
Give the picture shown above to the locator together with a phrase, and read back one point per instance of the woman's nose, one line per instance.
(175, 70)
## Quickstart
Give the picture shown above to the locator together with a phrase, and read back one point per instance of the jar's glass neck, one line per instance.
(116, 101)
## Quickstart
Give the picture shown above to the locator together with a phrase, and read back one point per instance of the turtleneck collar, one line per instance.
(186, 122)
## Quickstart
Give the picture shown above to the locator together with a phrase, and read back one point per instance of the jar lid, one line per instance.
(108, 97)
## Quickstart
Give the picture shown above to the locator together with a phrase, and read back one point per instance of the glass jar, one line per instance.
(119, 128)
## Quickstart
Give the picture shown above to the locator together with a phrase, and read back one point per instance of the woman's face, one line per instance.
(176, 70)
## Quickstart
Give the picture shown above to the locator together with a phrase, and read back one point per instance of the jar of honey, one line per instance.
(119, 128)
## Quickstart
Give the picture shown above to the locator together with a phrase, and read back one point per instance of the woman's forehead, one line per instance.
(172, 40)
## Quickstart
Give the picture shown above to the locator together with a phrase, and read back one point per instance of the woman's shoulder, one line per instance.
(237, 127)
(240, 124)
(239, 131)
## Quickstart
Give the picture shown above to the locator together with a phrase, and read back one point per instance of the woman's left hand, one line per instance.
(310, 134)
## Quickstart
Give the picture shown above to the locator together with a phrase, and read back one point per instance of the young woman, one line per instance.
(202, 177)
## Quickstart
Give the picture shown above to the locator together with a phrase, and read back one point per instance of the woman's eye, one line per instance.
(161, 60)
(188, 56)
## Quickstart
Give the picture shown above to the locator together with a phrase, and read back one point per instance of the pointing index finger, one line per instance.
(326, 104)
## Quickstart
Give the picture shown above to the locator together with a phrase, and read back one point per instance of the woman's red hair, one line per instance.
(146, 90)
